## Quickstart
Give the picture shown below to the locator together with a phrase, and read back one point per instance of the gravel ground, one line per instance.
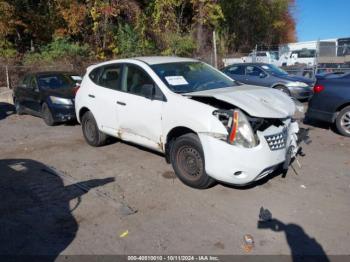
(46, 172)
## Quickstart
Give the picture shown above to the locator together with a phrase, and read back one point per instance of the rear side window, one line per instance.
(25, 80)
(94, 74)
(236, 70)
(107, 76)
(253, 71)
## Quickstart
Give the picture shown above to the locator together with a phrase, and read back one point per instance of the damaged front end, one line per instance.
(253, 147)
(240, 132)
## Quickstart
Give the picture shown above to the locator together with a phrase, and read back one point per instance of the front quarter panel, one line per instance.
(180, 111)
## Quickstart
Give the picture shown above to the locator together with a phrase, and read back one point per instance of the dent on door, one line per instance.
(139, 115)
(140, 122)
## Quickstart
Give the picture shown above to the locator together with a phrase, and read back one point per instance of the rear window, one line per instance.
(55, 81)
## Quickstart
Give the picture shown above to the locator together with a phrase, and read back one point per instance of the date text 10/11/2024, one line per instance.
(173, 258)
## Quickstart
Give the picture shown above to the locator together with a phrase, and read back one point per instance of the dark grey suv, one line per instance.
(269, 75)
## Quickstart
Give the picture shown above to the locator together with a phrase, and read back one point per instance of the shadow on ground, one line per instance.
(35, 215)
(6, 110)
(321, 125)
(302, 246)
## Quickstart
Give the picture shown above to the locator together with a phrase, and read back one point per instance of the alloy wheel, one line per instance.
(345, 122)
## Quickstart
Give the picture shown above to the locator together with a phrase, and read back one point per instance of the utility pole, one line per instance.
(254, 54)
(7, 77)
(215, 50)
(317, 55)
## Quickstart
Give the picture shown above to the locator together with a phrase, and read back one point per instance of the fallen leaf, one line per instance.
(124, 234)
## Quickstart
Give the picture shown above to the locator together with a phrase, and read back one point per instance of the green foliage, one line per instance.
(130, 42)
(180, 45)
(6, 50)
(59, 49)
(123, 28)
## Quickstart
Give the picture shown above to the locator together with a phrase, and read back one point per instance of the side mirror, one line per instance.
(148, 91)
(262, 75)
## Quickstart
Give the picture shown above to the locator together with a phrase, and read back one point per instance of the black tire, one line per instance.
(283, 89)
(18, 107)
(187, 159)
(343, 121)
(93, 136)
(47, 115)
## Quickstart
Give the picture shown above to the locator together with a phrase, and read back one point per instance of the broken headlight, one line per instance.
(240, 132)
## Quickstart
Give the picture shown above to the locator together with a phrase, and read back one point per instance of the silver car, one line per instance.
(269, 75)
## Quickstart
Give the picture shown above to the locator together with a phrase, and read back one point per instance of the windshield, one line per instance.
(55, 81)
(274, 70)
(304, 53)
(187, 77)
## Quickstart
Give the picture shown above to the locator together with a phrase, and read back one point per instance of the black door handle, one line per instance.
(121, 103)
(92, 96)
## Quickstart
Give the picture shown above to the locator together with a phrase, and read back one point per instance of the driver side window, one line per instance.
(137, 81)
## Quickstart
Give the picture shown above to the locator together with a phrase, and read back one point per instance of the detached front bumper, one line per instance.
(241, 166)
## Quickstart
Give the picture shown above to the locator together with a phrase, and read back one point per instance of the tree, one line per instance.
(137, 27)
(207, 16)
(262, 22)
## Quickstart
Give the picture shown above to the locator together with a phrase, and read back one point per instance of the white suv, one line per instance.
(208, 126)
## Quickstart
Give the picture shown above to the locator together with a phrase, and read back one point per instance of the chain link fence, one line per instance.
(306, 59)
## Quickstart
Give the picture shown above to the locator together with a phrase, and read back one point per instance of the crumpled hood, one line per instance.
(255, 100)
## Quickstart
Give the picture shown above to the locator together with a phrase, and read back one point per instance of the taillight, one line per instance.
(76, 88)
(318, 88)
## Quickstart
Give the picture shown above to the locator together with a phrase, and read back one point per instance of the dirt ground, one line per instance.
(61, 196)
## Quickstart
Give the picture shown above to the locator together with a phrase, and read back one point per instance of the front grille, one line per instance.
(277, 141)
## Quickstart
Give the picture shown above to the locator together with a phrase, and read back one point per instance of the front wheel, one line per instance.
(343, 121)
(47, 115)
(187, 159)
(93, 136)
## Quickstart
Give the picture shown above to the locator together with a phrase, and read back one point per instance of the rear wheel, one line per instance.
(187, 159)
(18, 107)
(47, 116)
(93, 136)
(283, 89)
(343, 121)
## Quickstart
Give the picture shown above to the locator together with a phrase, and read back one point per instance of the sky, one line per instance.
(322, 19)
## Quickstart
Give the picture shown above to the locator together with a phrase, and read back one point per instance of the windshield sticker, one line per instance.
(176, 80)
(265, 67)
